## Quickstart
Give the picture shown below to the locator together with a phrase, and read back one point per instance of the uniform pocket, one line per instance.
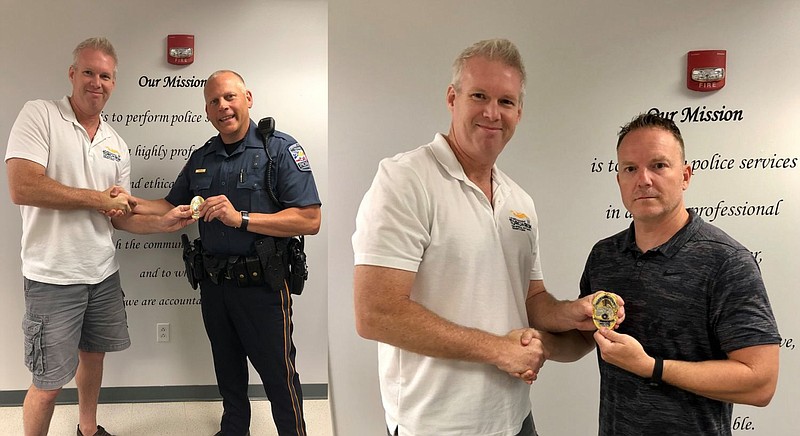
(258, 197)
(201, 184)
(34, 357)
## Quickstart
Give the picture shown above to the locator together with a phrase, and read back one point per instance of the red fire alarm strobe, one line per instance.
(705, 70)
(180, 49)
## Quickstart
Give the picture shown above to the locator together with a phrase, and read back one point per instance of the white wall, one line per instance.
(591, 66)
(280, 47)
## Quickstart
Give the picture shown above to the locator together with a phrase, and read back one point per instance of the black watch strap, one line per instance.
(658, 370)
(245, 220)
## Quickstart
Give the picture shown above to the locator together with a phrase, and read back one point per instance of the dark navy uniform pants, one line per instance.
(254, 323)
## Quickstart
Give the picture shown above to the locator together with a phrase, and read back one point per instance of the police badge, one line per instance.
(604, 310)
(195, 204)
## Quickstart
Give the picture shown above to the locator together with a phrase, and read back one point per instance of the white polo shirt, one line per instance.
(473, 265)
(68, 246)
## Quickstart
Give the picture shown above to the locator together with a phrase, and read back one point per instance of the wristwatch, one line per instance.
(245, 220)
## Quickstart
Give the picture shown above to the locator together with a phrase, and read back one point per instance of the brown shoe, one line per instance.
(100, 431)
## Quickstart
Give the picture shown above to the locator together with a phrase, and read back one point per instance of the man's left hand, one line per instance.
(220, 208)
(623, 351)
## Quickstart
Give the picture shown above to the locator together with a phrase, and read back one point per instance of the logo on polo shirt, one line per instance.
(520, 221)
(111, 154)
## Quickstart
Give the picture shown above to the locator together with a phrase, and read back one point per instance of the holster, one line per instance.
(215, 268)
(283, 259)
(298, 268)
(193, 260)
(272, 254)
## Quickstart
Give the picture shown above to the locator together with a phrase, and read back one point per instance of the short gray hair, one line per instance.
(96, 43)
(497, 49)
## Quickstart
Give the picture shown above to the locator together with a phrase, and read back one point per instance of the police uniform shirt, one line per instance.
(241, 176)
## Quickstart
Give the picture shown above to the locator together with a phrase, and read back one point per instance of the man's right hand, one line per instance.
(523, 354)
(117, 202)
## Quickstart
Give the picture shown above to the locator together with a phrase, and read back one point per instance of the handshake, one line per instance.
(137, 215)
(523, 352)
(117, 202)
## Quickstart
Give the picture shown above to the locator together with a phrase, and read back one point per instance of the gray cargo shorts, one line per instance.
(61, 319)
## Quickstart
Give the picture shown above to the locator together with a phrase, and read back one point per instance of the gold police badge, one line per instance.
(604, 310)
(195, 204)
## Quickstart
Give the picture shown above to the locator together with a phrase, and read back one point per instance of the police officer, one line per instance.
(244, 316)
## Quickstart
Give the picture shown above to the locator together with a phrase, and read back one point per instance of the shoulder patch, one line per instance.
(299, 156)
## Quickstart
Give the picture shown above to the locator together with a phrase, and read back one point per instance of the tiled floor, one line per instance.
(168, 419)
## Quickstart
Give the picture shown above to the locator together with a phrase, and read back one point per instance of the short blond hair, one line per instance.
(96, 43)
(497, 49)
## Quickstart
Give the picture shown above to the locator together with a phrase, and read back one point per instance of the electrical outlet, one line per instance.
(162, 332)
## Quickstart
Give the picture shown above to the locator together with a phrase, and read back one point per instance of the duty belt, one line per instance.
(278, 263)
(245, 271)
